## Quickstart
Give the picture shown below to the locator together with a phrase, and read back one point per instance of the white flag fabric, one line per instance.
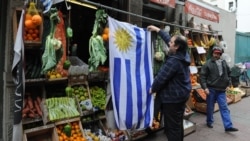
(19, 80)
(131, 75)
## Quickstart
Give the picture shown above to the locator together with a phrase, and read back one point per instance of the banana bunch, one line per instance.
(195, 44)
(211, 42)
(203, 62)
(203, 44)
(205, 39)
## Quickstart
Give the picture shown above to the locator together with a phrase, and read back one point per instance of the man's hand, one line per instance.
(153, 28)
(150, 91)
(206, 91)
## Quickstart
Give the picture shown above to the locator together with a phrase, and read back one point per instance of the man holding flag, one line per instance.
(172, 84)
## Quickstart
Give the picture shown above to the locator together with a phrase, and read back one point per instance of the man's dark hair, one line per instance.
(181, 42)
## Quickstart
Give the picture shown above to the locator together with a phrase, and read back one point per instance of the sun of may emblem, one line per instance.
(123, 39)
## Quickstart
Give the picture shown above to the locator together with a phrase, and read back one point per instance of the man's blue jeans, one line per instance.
(220, 98)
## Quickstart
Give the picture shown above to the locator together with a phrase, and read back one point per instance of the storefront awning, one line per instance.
(202, 10)
(170, 3)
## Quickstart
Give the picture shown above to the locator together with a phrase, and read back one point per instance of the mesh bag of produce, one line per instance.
(32, 24)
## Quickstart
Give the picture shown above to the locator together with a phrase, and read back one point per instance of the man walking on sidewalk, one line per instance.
(214, 79)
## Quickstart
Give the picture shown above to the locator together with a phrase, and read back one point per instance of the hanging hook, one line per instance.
(67, 6)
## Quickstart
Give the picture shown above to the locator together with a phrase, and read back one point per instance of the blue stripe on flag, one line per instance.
(148, 80)
(138, 74)
(129, 105)
(117, 83)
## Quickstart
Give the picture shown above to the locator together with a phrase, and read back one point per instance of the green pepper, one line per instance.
(67, 130)
(66, 64)
(69, 91)
(69, 32)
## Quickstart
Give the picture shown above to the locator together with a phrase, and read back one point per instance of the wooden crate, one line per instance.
(87, 97)
(246, 89)
(70, 121)
(235, 97)
(16, 20)
(46, 132)
(202, 107)
(45, 111)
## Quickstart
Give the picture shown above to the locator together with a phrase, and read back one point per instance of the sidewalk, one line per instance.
(240, 114)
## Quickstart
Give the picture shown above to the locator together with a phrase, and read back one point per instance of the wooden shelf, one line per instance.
(31, 120)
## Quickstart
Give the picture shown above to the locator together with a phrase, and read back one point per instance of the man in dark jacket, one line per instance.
(172, 84)
(214, 79)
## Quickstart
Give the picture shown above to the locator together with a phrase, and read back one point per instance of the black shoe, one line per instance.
(209, 126)
(232, 129)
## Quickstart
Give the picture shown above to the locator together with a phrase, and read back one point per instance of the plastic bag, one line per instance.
(32, 10)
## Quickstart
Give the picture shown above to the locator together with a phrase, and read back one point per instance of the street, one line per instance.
(240, 114)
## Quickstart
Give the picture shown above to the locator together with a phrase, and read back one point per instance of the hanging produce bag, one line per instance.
(32, 25)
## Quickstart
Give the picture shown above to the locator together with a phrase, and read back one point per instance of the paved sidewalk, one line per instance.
(240, 114)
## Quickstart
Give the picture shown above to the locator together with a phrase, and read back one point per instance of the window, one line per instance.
(231, 6)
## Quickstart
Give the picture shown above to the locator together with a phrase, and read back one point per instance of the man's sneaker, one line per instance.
(209, 125)
(232, 129)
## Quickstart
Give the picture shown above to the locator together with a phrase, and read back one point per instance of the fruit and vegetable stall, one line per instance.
(67, 99)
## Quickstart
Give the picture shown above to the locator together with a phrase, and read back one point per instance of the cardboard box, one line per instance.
(42, 133)
(202, 107)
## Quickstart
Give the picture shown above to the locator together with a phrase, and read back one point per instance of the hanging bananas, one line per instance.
(211, 42)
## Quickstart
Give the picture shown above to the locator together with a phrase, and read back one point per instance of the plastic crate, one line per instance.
(77, 79)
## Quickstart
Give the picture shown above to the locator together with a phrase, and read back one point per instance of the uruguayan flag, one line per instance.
(130, 75)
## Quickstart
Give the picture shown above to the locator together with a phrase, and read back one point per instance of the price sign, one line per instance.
(201, 50)
(193, 69)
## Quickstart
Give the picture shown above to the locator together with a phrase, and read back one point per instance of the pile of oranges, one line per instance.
(32, 27)
(76, 133)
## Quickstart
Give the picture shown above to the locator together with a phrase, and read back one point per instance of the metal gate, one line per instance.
(242, 47)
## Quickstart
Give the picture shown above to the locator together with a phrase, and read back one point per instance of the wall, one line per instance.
(2, 59)
(8, 85)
